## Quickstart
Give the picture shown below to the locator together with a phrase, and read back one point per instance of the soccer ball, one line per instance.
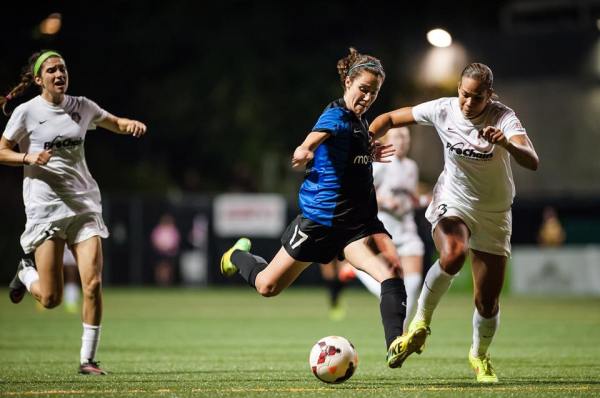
(333, 359)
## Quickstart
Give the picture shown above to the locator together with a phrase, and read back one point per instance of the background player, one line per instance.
(397, 197)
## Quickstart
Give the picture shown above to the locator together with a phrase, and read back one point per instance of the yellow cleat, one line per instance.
(483, 369)
(72, 308)
(410, 342)
(227, 267)
(337, 313)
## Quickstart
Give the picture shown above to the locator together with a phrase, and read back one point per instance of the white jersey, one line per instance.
(64, 186)
(477, 174)
(397, 179)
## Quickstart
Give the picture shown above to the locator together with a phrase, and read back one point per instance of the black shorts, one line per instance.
(306, 240)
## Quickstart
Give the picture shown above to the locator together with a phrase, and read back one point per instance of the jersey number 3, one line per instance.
(301, 238)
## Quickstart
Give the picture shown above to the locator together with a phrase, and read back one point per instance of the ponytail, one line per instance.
(27, 80)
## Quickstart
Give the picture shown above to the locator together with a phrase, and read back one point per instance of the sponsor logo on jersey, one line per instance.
(66, 143)
(362, 159)
(470, 153)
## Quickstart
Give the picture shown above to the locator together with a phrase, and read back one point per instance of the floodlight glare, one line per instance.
(51, 25)
(439, 38)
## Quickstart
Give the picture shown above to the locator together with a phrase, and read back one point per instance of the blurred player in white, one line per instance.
(396, 185)
(72, 288)
(62, 200)
(471, 206)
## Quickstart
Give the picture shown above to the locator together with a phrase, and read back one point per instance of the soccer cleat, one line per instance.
(403, 346)
(337, 312)
(16, 288)
(72, 308)
(227, 267)
(91, 368)
(483, 368)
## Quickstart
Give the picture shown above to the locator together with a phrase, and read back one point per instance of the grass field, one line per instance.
(231, 342)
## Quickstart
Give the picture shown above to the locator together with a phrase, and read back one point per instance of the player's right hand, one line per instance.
(38, 158)
(302, 156)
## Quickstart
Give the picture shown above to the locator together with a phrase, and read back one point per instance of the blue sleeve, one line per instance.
(331, 121)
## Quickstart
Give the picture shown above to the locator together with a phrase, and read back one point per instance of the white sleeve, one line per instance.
(378, 173)
(425, 113)
(16, 128)
(98, 114)
(511, 125)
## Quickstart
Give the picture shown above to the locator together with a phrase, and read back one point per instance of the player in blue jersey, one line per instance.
(337, 199)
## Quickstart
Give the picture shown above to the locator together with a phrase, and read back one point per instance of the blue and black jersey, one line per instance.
(338, 185)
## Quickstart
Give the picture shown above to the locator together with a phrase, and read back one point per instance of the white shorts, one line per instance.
(404, 234)
(72, 229)
(490, 231)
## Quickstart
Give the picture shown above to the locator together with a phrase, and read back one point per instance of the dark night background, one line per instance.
(228, 89)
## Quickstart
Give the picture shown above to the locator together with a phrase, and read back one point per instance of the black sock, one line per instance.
(393, 308)
(248, 265)
(335, 288)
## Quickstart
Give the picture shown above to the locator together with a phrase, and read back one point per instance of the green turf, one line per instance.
(231, 342)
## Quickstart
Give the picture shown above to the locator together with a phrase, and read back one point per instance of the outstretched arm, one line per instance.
(305, 152)
(398, 118)
(121, 125)
(519, 146)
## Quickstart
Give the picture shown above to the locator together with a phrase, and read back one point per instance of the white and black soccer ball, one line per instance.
(333, 359)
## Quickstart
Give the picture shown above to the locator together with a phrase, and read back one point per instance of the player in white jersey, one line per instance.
(62, 200)
(72, 288)
(471, 206)
(396, 186)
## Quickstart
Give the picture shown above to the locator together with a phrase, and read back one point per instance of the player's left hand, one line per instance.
(380, 152)
(493, 135)
(301, 157)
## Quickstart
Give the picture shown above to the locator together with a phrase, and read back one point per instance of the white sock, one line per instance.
(28, 275)
(71, 293)
(483, 333)
(437, 282)
(89, 342)
(370, 283)
(412, 283)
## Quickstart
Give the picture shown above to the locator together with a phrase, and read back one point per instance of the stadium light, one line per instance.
(51, 24)
(439, 38)
(440, 67)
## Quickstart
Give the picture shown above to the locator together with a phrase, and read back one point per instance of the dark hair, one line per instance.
(482, 73)
(26, 79)
(354, 63)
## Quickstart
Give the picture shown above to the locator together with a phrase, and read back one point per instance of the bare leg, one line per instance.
(89, 261)
(279, 274)
(451, 237)
(48, 289)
